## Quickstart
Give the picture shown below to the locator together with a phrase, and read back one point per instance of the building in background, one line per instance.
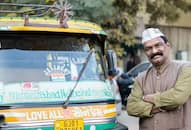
(178, 34)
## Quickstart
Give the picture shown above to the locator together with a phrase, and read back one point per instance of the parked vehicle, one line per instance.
(55, 77)
(126, 80)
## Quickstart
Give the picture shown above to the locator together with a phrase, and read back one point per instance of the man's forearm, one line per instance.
(135, 105)
(150, 99)
(177, 95)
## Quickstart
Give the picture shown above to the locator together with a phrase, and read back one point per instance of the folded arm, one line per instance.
(177, 95)
(135, 104)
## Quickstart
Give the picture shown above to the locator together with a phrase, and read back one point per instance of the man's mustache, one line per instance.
(158, 53)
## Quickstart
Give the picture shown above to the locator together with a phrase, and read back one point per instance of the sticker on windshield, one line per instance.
(30, 86)
(58, 68)
(57, 73)
(64, 67)
(78, 60)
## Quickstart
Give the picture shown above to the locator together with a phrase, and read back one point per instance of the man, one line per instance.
(124, 81)
(133, 61)
(161, 94)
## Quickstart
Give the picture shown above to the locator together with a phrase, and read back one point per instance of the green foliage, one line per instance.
(121, 25)
(92, 10)
(117, 17)
(166, 9)
(19, 10)
(50, 1)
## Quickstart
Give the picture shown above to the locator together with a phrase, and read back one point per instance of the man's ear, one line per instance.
(168, 44)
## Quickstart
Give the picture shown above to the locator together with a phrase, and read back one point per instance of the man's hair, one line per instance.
(164, 39)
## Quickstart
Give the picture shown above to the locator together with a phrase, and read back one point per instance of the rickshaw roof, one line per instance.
(49, 25)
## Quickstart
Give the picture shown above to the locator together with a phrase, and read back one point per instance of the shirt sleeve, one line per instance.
(135, 105)
(177, 95)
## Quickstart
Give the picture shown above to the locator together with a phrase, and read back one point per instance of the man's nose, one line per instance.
(154, 50)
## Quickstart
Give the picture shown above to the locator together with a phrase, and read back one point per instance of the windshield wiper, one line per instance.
(3, 107)
(77, 81)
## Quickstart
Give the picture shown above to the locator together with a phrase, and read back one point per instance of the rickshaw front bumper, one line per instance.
(120, 127)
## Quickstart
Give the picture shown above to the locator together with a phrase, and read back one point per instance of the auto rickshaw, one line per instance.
(54, 75)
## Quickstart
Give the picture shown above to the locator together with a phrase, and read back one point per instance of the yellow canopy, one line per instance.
(49, 25)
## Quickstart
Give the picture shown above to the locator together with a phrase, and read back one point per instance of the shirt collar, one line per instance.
(162, 68)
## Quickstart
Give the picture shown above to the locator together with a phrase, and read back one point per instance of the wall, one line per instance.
(180, 39)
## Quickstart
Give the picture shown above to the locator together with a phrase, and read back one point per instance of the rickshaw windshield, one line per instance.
(45, 68)
(32, 66)
(30, 58)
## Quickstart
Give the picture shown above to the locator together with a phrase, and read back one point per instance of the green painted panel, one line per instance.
(87, 127)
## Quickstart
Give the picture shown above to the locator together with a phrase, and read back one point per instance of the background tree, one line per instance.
(166, 9)
(117, 17)
(122, 24)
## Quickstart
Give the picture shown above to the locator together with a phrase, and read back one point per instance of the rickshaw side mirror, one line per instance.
(111, 63)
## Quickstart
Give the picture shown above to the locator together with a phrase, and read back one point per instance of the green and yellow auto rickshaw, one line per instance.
(53, 76)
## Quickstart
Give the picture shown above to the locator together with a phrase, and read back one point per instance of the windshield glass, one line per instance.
(50, 57)
(23, 66)
(45, 68)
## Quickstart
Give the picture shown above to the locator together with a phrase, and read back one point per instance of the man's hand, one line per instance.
(149, 98)
(155, 110)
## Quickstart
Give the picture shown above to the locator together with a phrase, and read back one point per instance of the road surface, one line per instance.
(129, 121)
(125, 119)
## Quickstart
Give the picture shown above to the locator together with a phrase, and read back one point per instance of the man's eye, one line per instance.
(147, 49)
(157, 46)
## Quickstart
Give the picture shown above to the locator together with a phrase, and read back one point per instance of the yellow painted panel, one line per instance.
(58, 113)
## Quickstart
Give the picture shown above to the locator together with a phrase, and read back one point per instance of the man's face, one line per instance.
(157, 51)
